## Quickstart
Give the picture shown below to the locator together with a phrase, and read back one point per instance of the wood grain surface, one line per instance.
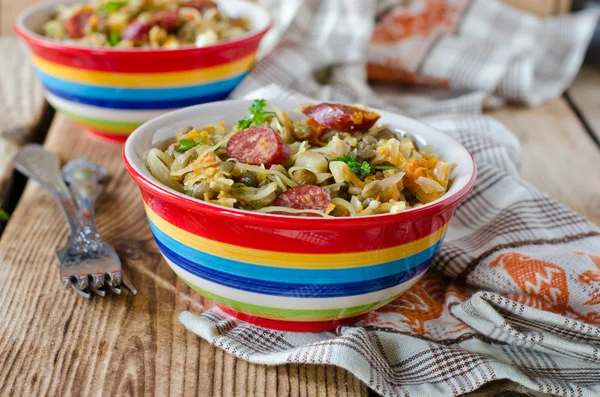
(21, 107)
(542, 8)
(585, 95)
(53, 342)
(558, 156)
(9, 9)
(505, 388)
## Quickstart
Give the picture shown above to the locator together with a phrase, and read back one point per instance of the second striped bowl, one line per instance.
(285, 272)
(112, 92)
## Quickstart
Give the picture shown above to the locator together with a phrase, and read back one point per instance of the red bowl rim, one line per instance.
(41, 41)
(291, 222)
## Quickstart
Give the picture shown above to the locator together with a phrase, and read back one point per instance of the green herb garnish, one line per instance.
(256, 114)
(114, 38)
(187, 144)
(111, 6)
(362, 169)
(4, 215)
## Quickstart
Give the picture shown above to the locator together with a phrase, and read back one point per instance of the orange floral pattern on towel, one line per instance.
(426, 19)
(591, 278)
(407, 31)
(572, 291)
(537, 278)
(421, 303)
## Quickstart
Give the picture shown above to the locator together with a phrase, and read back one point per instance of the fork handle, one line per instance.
(84, 178)
(44, 167)
(68, 208)
(85, 195)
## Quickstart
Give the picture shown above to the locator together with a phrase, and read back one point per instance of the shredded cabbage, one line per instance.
(160, 170)
(292, 211)
(256, 197)
(286, 125)
(260, 170)
(311, 161)
(391, 180)
(334, 149)
(345, 205)
(342, 173)
(429, 185)
(364, 172)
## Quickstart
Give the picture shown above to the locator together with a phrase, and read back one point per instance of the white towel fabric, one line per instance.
(515, 290)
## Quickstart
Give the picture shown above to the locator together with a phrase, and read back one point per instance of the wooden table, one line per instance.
(53, 342)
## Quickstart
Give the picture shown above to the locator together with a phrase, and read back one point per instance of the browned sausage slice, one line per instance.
(342, 118)
(167, 19)
(200, 5)
(307, 197)
(76, 24)
(258, 146)
(135, 32)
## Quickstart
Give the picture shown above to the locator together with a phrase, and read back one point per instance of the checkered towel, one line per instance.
(515, 290)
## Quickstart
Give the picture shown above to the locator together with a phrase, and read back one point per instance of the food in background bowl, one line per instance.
(112, 91)
(134, 23)
(293, 272)
(335, 162)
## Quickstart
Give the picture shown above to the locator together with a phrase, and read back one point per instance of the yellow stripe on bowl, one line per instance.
(294, 260)
(145, 80)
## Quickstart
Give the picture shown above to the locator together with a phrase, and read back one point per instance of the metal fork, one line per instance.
(86, 262)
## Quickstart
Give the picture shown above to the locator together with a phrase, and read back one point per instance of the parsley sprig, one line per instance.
(256, 114)
(114, 38)
(361, 169)
(4, 215)
(187, 144)
(111, 6)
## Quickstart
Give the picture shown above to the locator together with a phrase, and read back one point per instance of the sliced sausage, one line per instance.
(258, 146)
(75, 25)
(135, 31)
(342, 118)
(200, 5)
(307, 197)
(167, 19)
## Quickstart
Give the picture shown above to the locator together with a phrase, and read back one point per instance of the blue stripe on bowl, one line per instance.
(138, 94)
(312, 276)
(157, 104)
(297, 290)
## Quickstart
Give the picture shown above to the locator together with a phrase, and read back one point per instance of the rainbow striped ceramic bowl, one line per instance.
(112, 92)
(293, 273)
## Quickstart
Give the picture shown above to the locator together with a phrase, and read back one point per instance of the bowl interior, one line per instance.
(33, 18)
(156, 131)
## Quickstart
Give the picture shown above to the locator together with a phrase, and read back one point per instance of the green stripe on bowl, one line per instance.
(99, 122)
(291, 314)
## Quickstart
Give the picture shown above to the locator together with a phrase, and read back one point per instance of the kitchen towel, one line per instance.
(514, 292)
